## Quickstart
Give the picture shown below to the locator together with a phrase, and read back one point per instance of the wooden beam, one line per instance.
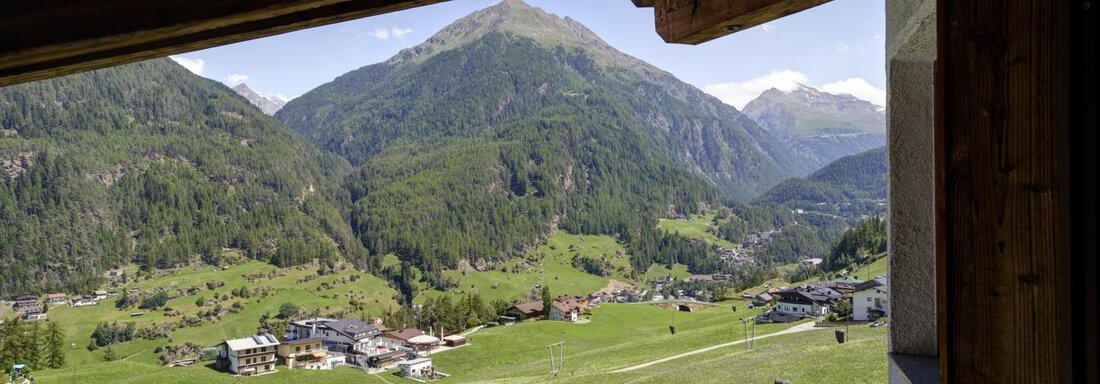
(1011, 200)
(51, 38)
(698, 21)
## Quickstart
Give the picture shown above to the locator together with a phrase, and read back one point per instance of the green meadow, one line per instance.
(79, 322)
(552, 262)
(618, 336)
(696, 227)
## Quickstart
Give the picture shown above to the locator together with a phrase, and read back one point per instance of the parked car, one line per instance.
(878, 323)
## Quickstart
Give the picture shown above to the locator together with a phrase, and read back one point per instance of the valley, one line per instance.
(514, 179)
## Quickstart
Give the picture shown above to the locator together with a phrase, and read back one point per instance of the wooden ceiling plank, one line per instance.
(698, 21)
(83, 47)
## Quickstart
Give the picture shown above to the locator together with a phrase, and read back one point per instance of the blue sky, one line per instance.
(838, 47)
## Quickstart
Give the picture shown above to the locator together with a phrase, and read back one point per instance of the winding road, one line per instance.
(798, 328)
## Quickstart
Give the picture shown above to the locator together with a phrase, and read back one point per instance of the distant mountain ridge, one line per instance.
(820, 125)
(267, 104)
(850, 186)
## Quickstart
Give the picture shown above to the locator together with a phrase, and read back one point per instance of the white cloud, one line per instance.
(739, 94)
(859, 88)
(841, 46)
(380, 33)
(767, 27)
(400, 32)
(196, 66)
(235, 79)
(284, 98)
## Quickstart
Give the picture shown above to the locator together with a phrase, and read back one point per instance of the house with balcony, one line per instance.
(806, 301)
(351, 336)
(249, 356)
(871, 299)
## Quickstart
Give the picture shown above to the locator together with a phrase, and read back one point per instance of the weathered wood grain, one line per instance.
(699, 21)
(48, 38)
(1005, 118)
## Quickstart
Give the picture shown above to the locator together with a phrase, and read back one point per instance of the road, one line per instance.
(798, 328)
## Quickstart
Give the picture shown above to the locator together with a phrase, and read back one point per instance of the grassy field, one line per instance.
(875, 268)
(697, 227)
(78, 323)
(618, 335)
(508, 282)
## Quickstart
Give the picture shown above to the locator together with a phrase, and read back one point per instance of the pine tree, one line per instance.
(547, 301)
(33, 347)
(55, 347)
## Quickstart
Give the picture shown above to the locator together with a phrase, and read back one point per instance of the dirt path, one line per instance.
(798, 328)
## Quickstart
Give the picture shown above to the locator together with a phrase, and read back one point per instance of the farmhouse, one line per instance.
(55, 298)
(871, 300)
(248, 356)
(806, 301)
(100, 295)
(528, 310)
(812, 262)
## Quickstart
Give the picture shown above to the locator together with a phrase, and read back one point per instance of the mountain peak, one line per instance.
(267, 104)
(514, 17)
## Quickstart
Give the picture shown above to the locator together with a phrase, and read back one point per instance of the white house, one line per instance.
(871, 299)
(248, 356)
(566, 309)
(806, 301)
(811, 262)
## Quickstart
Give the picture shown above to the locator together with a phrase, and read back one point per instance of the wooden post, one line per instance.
(1011, 156)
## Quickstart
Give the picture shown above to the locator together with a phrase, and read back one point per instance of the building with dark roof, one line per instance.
(351, 336)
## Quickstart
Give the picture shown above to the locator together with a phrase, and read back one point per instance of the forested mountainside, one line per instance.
(511, 123)
(148, 163)
(821, 125)
(851, 186)
(509, 61)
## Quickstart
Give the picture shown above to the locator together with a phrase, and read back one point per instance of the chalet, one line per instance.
(28, 301)
(100, 295)
(31, 317)
(348, 336)
(528, 310)
(663, 280)
(762, 299)
(812, 262)
(55, 298)
(565, 311)
(248, 356)
(292, 352)
(806, 301)
(871, 299)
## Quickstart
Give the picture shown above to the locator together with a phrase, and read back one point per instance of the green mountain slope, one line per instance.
(851, 186)
(475, 75)
(823, 126)
(512, 122)
(150, 164)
